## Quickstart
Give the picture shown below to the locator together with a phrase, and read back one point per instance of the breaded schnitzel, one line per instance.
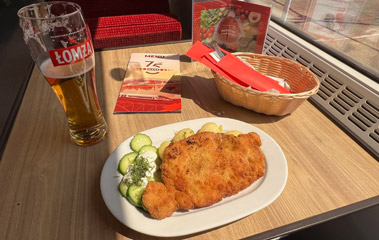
(203, 169)
(159, 201)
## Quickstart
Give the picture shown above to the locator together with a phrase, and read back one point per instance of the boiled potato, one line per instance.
(211, 127)
(183, 134)
(234, 132)
(162, 147)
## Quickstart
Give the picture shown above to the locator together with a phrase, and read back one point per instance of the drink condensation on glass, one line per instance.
(61, 46)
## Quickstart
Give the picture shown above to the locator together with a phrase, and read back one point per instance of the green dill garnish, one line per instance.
(138, 170)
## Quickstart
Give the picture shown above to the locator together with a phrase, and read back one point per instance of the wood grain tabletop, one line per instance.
(50, 188)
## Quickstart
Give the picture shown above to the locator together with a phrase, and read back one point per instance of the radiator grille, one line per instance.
(343, 98)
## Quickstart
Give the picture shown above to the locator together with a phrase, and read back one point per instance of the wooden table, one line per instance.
(50, 187)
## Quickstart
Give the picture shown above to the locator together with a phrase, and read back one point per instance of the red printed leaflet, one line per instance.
(151, 84)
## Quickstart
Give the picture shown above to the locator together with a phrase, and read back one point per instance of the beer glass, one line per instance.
(61, 46)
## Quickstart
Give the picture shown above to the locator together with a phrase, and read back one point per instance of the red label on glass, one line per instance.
(77, 53)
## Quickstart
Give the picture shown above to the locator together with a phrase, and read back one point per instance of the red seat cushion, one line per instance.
(133, 29)
(129, 20)
(118, 23)
(104, 8)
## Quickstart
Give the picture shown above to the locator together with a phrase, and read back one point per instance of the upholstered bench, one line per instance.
(117, 23)
(126, 30)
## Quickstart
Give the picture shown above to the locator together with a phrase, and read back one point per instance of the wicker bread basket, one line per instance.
(303, 85)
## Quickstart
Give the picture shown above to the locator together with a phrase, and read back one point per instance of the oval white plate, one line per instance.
(257, 196)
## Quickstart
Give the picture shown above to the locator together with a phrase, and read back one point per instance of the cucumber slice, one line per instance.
(139, 140)
(150, 156)
(143, 207)
(147, 148)
(134, 194)
(123, 188)
(158, 176)
(158, 162)
(125, 162)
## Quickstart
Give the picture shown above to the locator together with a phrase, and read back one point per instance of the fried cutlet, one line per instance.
(159, 201)
(203, 169)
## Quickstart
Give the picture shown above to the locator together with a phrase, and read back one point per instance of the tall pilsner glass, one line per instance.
(61, 46)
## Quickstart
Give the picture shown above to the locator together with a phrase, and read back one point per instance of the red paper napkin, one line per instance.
(234, 69)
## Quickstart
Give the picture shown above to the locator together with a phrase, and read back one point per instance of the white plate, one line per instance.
(257, 196)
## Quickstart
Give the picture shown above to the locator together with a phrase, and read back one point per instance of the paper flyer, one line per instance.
(151, 84)
(234, 25)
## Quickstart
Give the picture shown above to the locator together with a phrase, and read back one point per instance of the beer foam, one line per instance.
(66, 71)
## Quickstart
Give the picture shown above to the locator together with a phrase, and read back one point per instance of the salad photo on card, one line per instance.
(235, 26)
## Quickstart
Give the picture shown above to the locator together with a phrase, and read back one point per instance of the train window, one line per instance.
(346, 29)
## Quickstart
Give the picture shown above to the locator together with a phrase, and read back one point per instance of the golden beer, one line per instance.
(60, 44)
(74, 85)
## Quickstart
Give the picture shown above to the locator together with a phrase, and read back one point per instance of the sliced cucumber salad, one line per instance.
(138, 168)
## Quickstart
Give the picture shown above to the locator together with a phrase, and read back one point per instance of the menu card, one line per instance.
(235, 26)
(151, 84)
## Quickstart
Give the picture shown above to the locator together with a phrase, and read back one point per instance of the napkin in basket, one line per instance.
(234, 69)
